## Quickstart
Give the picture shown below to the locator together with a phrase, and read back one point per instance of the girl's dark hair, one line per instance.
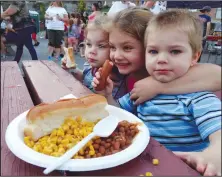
(71, 22)
(73, 15)
(96, 5)
(78, 16)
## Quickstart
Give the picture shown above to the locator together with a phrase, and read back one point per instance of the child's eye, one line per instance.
(175, 52)
(153, 52)
(88, 44)
(112, 48)
(101, 46)
(127, 48)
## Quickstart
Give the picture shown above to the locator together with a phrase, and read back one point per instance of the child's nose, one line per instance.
(117, 55)
(162, 59)
(93, 50)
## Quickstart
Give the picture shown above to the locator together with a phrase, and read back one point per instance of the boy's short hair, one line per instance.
(183, 20)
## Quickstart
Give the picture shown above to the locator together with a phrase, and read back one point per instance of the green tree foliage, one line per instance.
(81, 6)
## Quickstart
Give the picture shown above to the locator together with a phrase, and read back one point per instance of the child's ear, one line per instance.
(196, 57)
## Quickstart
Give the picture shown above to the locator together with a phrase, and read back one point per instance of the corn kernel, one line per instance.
(149, 174)
(155, 161)
(91, 152)
(65, 141)
(70, 132)
(47, 151)
(62, 150)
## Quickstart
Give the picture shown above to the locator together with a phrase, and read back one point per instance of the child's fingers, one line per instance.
(210, 170)
(95, 80)
(97, 75)
(94, 85)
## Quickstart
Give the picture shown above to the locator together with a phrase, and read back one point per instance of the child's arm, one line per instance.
(78, 74)
(207, 162)
(205, 108)
(201, 77)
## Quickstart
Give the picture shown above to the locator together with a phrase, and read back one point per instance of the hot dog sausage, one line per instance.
(104, 73)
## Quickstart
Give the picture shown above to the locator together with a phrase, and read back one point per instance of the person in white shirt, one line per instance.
(118, 6)
(156, 6)
(55, 15)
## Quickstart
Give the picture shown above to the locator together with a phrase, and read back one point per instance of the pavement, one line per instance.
(43, 55)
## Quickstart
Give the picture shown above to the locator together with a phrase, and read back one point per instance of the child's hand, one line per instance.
(204, 163)
(109, 86)
(145, 89)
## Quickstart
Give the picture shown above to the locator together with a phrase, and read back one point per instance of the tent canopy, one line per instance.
(193, 4)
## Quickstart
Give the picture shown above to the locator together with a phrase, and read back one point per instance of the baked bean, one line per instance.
(96, 146)
(108, 140)
(103, 143)
(98, 155)
(121, 129)
(116, 145)
(107, 145)
(98, 141)
(87, 156)
(102, 149)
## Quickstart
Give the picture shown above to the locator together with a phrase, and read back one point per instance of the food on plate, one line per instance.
(44, 118)
(74, 130)
(104, 73)
(68, 61)
(54, 128)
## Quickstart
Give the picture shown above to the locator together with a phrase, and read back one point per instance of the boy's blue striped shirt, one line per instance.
(180, 122)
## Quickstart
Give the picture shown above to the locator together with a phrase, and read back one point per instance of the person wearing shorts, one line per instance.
(55, 15)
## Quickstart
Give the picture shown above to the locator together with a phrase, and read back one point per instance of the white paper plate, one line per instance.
(14, 140)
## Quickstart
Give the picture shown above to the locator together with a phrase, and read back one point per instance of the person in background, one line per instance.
(56, 15)
(155, 6)
(34, 36)
(96, 11)
(118, 6)
(23, 27)
(73, 33)
(206, 20)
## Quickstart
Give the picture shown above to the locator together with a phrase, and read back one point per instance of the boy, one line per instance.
(190, 122)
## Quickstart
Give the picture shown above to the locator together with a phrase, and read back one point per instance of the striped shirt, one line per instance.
(179, 122)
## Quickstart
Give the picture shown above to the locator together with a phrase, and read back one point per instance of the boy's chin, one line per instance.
(164, 79)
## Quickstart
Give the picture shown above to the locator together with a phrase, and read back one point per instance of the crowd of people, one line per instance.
(156, 74)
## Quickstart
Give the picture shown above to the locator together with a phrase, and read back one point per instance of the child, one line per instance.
(34, 36)
(81, 40)
(127, 53)
(97, 52)
(73, 33)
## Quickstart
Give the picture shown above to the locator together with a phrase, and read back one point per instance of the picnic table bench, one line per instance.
(47, 82)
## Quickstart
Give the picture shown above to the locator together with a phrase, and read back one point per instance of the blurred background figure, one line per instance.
(206, 20)
(118, 6)
(55, 15)
(34, 34)
(23, 27)
(96, 11)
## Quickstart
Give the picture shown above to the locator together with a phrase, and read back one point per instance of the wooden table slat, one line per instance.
(15, 99)
(48, 82)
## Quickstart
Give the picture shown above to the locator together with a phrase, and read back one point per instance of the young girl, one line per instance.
(127, 52)
(73, 33)
(97, 52)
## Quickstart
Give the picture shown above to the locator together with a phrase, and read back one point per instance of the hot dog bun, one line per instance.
(43, 118)
(68, 61)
